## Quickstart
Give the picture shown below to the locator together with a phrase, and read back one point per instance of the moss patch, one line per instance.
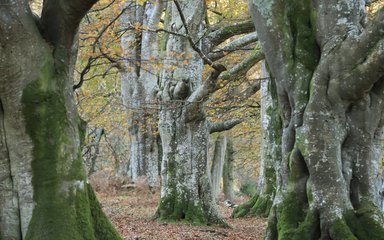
(180, 207)
(365, 223)
(62, 208)
(244, 209)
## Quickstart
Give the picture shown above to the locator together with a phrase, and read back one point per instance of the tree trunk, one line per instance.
(139, 86)
(329, 78)
(228, 171)
(44, 193)
(186, 189)
(271, 127)
(217, 164)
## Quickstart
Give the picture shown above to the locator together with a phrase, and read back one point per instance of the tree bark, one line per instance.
(228, 171)
(186, 189)
(139, 88)
(217, 164)
(43, 189)
(327, 63)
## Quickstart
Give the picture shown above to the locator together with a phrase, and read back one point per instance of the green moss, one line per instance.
(289, 214)
(180, 207)
(296, 222)
(309, 228)
(62, 209)
(262, 206)
(244, 209)
(340, 231)
(365, 223)
(272, 225)
(101, 224)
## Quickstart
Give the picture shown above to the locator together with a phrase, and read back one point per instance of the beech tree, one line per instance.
(44, 193)
(139, 87)
(184, 128)
(327, 61)
(218, 164)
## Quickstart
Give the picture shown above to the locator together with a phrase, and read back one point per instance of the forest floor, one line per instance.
(131, 212)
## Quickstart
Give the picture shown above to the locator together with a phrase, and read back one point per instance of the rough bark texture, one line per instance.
(186, 189)
(217, 164)
(271, 127)
(43, 190)
(327, 63)
(139, 88)
(228, 171)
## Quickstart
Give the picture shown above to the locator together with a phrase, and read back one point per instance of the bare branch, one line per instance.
(233, 46)
(218, 67)
(210, 85)
(243, 67)
(218, 36)
(223, 126)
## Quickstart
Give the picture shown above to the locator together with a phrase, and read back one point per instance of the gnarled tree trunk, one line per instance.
(44, 193)
(329, 76)
(186, 189)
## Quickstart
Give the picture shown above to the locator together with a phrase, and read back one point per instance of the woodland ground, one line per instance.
(131, 212)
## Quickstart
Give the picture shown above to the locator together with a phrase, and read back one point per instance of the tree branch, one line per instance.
(355, 83)
(218, 36)
(233, 46)
(60, 20)
(243, 67)
(223, 126)
(210, 85)
(218, 67)
(364, 58)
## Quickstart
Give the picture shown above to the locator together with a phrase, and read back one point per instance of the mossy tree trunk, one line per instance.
(43, 188)
(270, 155)
(186, 193)
(139, 88)
(327, 62)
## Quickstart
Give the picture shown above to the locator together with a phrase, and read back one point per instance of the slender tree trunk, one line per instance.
(329, 79)
(271, 127)
(139, 88)
(186, 189)
(217, 164)
(44, 193)
(228, 171)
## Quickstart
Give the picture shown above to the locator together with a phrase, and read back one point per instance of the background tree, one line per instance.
(139, 86)
(44, 192)
(228, 178)
(184, 128)
(218, 164)
(327, 62)
(270, 155)
(186, 189)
